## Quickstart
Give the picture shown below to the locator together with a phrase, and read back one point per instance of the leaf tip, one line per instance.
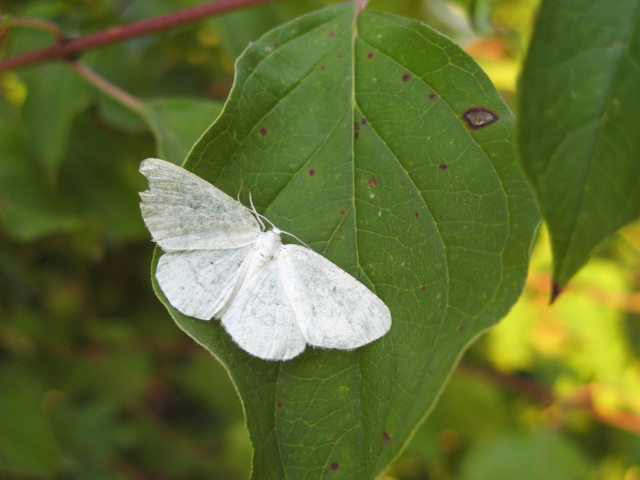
(556, 290)
(361, 5)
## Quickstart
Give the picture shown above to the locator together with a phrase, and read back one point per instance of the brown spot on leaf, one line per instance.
(431, 96)
(335, 466)
(373, 182)
(555, 291)
(279, 405)
(417, 214)
(363, 121)
(479, 117)
(343, 212)
(406, 77)
(275, 45)
(338, 239)
(423, 288)
(356, 135)
(461, 328)
(312, 172)
(330, 34)
(370, 55)
(322, 67)
(402, 184)
(386, 438)
(263, 131)
(443, 166)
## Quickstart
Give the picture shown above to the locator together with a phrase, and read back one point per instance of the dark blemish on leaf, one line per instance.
(263, 131)
(372, 182)
(343, 212)
(338, 239)
(356, 135)
(370, 55)
(322, 67)
(461, 328)
(339, 56)
(443, 166)
(279, 405)
(363, 121)
(406, 77)
(423, 288)
(275, 45)
(402, 183)
(335, 466)
(332, 445)
(312, 172)
(479, 117)
(417, 214)
(555, 291)
(386, 438)
(330, 34)
(431, 96)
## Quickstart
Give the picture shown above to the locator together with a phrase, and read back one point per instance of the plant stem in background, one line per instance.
(67, 50)
(108, 88)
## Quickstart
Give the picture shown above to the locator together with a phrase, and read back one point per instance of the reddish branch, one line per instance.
(68, 50)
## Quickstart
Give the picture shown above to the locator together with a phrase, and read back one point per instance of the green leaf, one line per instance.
(55, 94)
(543, 455)
(177, 123)
(358, 144)
(579, 141)
(29, 207)
(100, 178)
(27, 445)
(238, 29)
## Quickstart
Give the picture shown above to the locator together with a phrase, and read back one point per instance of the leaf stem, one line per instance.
(8, 21)
(66, 50)
(108, 88)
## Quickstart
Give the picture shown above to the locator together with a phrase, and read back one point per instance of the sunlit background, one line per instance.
(97, 382)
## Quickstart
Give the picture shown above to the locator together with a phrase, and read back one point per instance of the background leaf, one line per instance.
(374, 150)
(543, 455)
(27, 444)
(579, 119)
(55, 95)
(28, 207)
(177, 123)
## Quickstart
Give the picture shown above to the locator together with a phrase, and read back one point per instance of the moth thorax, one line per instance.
(266, 247)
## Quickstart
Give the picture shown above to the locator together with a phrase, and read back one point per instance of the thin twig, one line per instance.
(580, 399)
(521, 385)
(107, 87)
(8, 22)
(70, 49)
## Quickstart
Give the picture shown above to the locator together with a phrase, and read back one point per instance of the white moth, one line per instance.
(272, 298)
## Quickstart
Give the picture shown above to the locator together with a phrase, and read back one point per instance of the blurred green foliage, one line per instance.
(96, 381)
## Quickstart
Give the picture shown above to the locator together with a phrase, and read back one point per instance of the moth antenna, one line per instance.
(270, 222)
(256, 214)
(292, 235)
(240, 190)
